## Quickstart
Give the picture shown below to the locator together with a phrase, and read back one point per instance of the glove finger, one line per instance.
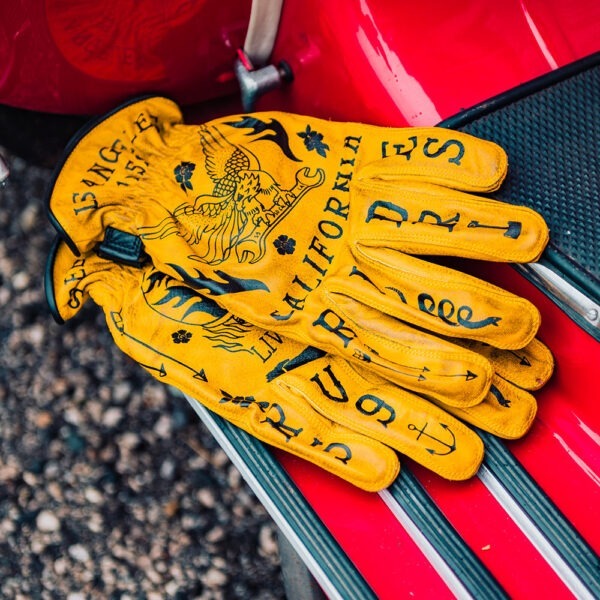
(441, 156)
(414, 359)
(438, 299)
(529, 368)
(419, 218)
(507, 411)
(282, 420)
(403, 421)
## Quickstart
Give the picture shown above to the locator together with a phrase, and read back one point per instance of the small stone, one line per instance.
(4, 296)
(35, 334)
(121, 552)
(20, 281)
(167, 469)
(214, 578)
(155, 394)
(206, 497)
(7, 527)
(75, 442)
(161, 566)
(47, 521)
(128, 440)
(92, 495)
(188, 522)
(234, 478)
(29, 478)
(121, 391)
(215, 535)
(73, 416)
(95, 523)
(8, 473)
(219, 458)
(79, 553)
(267, 540)
(44, 419)
(171, 588)
(112, 416)
(37, 545)
(60, 566)
(28, 217)
(163, 426)
(55, 490)
(170, 508)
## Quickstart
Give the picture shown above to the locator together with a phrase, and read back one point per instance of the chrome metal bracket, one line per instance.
(567, 295)
(256, 82)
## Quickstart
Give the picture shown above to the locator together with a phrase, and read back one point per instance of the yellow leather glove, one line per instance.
(315, 230)
(292, 396)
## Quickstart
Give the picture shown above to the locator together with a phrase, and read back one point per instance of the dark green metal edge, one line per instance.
(519, 92)
(576, 314)
(418, 505)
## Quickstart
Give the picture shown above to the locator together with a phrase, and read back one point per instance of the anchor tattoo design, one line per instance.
(448, 446)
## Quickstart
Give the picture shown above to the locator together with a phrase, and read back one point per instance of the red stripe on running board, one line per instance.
(494, 537)
(388, 558)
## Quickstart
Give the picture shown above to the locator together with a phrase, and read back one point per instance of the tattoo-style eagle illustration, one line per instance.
(246, 203)
(216, 222)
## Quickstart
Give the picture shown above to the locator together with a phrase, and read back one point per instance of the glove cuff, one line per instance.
(90, 158)
(50, 289)
(122, 247)
(70, 280)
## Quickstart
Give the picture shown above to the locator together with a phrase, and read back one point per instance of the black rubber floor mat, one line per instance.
(550, 128)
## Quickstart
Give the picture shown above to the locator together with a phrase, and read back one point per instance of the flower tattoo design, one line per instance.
(313, 140)
(181, 336)
(183, 175)
(285, 244)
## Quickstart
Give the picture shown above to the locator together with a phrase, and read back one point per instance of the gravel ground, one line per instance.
(110, 486)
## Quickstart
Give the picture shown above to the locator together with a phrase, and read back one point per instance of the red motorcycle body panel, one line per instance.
(85, 57)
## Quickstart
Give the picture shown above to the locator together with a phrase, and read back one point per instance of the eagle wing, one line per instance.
(224, 160)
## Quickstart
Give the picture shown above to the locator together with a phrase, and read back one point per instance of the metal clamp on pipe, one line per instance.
(4, 171)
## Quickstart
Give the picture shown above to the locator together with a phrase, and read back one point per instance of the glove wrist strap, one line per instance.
(122, 247)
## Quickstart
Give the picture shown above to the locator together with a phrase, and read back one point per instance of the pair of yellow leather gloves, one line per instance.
(272, 266)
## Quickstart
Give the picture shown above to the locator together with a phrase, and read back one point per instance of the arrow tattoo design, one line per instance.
(118, 323)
